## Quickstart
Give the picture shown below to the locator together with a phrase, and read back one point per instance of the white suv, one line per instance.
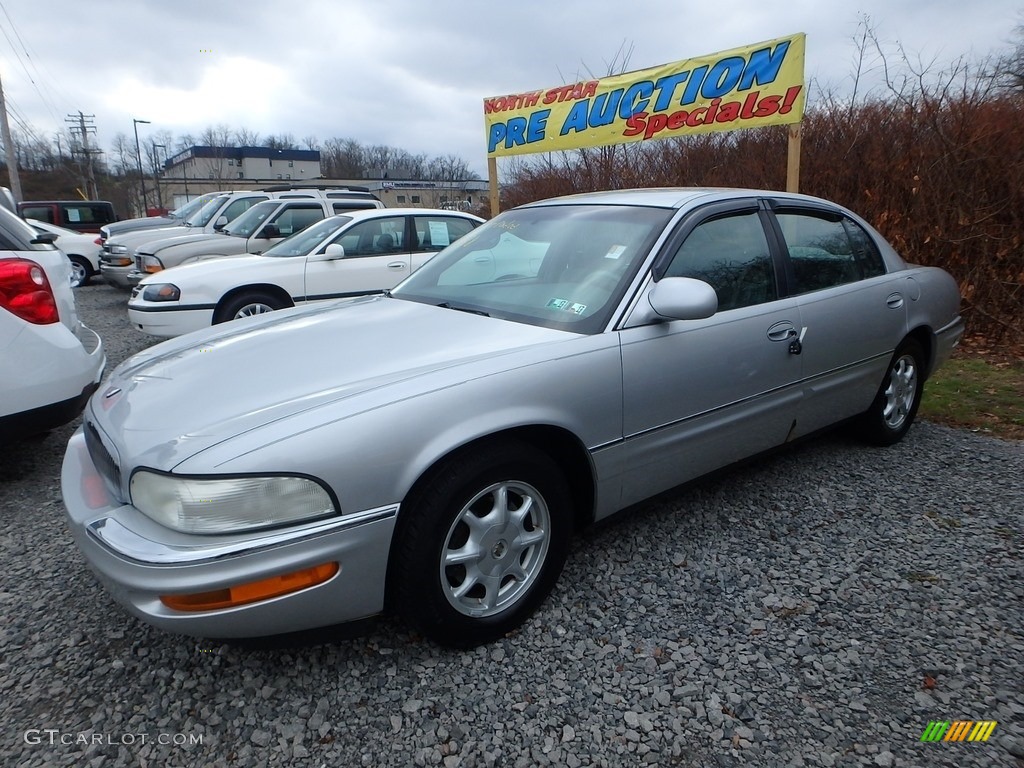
(49, 361)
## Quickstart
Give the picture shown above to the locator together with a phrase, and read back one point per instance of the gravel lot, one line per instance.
(815, 608)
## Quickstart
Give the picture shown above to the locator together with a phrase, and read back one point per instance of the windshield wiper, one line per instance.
(449, 305)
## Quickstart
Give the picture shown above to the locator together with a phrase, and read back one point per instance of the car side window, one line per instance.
(865, 250)
(826, 251)
(238, 207)
(436, 232)
(292, 220)
(374, 237)
(731, 254)
(39, 213)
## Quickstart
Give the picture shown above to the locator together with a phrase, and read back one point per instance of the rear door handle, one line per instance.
(396, 265)
(895, 301)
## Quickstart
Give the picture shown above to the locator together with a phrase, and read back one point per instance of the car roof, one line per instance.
(371, 213)
(669, 197)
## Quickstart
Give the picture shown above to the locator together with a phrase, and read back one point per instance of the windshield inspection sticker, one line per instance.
(577, 308)
(615, 252)
(557, 303)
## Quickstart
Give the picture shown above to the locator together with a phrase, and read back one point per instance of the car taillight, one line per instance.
(25, 291)
(98, 241)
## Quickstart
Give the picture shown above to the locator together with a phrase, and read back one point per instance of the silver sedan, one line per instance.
(431, 451)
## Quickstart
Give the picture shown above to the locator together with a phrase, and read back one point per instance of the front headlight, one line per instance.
(161, 292)
(228, 504)
(115, 248)
(151, 264)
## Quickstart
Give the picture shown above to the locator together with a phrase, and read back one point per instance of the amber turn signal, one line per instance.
(254, 591)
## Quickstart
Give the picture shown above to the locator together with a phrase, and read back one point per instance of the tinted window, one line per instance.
(292, 220)
(827, 251)
(87, 214)
(238, 207)
(865, 251)
(39, 213)
(436, 232)
(731, 255)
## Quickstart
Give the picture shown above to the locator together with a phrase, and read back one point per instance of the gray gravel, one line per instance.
(815, 608)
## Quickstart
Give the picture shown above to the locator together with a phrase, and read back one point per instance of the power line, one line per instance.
(47, 102)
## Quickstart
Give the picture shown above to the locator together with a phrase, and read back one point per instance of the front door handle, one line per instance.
(396, 265)
(782, 331)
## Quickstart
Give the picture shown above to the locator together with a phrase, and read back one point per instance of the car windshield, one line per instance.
(202, 217)
(559, 266)
(191, 207)
(250, 221)
(306, 241)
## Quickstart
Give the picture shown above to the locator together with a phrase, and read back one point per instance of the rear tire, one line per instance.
(895, 406)
(247, 305)
(81, 271)
(481, 546)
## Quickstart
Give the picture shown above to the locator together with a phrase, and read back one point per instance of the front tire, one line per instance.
(247, 305)
(898, 398)
(481, 546)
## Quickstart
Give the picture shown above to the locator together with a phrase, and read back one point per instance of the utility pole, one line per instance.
(12, 160)
(83, 131)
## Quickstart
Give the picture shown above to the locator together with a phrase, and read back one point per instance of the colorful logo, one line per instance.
(959, 730)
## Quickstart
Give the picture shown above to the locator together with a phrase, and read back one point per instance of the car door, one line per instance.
(852, 314)
(376, 258)
(700, 394)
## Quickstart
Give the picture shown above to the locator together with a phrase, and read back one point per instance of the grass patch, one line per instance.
(978, 394)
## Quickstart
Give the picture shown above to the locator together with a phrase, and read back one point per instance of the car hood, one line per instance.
(170, 242)
(139, 237)
(180, 397)
(201, 271)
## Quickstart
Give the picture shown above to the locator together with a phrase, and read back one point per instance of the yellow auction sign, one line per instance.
(746, 87)
(756, 85)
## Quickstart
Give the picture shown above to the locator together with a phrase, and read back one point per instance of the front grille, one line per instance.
(101, 457)
(138, 263)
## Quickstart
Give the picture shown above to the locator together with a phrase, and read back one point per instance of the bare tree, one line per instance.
(247, 138)
(1009, 69)
(282, 141)
(219, 138)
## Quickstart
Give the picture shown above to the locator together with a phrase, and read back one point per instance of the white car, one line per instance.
(355, 253)
(82, 250)
(49, 361)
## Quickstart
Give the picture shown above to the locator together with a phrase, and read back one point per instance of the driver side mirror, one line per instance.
(674, 298)
(332, 252)
(220, 223)
(683, 298)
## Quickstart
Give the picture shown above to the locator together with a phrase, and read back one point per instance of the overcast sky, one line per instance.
(413, 73)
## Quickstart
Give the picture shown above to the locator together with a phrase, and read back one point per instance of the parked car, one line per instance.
(117, 259)
(49, 361)
(122, 256)
(431, 450)
(346, 255)
(83, 251)
(174, 218)
(79, 215)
